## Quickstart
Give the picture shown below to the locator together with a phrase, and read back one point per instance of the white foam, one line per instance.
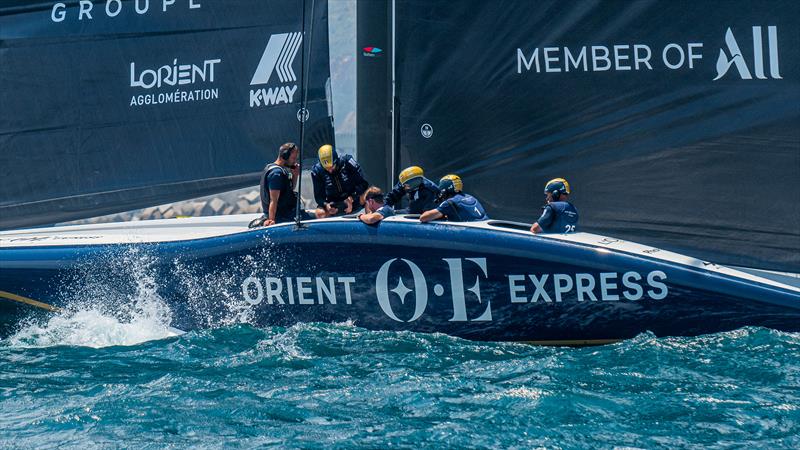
(92, 328)
(99, 315)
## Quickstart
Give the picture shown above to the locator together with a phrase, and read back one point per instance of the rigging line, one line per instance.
(302, 113)
(394, 96)
(28, 301)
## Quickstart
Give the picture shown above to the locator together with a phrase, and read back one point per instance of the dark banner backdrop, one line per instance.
(677, 123)
(114, 105)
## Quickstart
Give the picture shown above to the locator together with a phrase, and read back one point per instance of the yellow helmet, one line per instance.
(557, 187)
(411, 176)
(451, 184)
(327, 156)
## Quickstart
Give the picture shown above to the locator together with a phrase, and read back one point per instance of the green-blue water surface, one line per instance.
(319, 385)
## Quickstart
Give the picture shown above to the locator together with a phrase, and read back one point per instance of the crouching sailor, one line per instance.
(338, 183)
(455, 205)
(374, 208)
(559, 215)
(422, 192)
(278, 199)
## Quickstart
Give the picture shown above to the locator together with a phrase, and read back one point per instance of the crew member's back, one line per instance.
(455, 205)
(558, 215)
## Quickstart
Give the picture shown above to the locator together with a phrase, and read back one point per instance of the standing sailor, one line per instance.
(422, 192)
(278, 199)
(338, 183)
(455, 205)
(559, 215)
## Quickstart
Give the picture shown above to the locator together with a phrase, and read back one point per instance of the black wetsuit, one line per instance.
(420, 200)
(346, 181)
(462, 208)
(278, 178)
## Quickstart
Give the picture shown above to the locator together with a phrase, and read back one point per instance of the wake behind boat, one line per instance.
(489, 280)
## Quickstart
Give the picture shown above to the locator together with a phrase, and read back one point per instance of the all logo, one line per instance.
(734, 56)
(278, 59)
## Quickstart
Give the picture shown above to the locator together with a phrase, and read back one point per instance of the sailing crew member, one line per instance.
(375, 209)
(455, 205)
(338, 183)
(278, 198)
(422, 192)
(559, 215)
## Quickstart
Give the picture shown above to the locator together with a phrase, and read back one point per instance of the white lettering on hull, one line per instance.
(393, 288)
(298, 290)
(583, 287)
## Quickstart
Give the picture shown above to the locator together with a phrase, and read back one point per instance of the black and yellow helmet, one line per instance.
(450, 184)
(557, 187)
(411, 177)
(328, 156)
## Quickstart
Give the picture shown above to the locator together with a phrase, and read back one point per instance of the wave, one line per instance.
(115, 302)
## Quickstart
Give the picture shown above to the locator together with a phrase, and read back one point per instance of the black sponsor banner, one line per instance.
(676, 123)
(113, 105)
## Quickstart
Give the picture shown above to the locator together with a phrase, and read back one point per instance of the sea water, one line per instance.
(111, 373)
(90, 381)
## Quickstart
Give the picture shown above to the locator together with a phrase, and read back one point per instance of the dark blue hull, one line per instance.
(467, 282)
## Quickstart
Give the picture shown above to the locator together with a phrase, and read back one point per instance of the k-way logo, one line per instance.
(643, 57)
(278, 58)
